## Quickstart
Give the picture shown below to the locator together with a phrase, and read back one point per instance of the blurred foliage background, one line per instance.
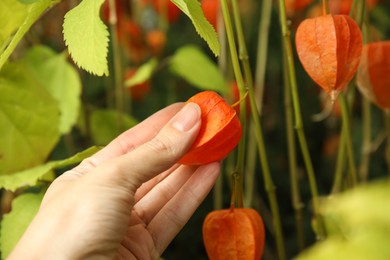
(145, 34)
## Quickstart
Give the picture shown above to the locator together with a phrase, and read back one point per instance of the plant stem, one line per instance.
(222, 62)
(269, 186)
(387, 151)
(325, 9)
(340, 164)
(298, 119)
(366, 142)
(346, 133)
(118, 77)
(262, 49)
(292, 159)
(239, 172)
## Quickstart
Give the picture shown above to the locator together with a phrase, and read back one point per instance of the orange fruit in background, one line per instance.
(344, 6)
(373, 73)
(172, 11)
(293, 6)
(210, 11)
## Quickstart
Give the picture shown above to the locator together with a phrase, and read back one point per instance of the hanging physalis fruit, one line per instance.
(219, 133)
(234, 234)
(373, 73)
(344, 6)
(293, 6)
(329, 48)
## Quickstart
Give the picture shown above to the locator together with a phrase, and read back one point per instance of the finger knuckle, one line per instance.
(163, 145)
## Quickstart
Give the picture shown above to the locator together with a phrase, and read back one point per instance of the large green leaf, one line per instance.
(12, 14)
(29, 120)
(358, 225)
(60, 79)
(190, 63)
(30, 13)
(30, 176)
(15, 223)
(194, 11)
(28, 1)
(106, 124)
(87, 37)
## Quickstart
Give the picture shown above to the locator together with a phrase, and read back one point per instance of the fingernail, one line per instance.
(187, 117)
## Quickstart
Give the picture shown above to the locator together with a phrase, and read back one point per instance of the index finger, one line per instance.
(131, 139)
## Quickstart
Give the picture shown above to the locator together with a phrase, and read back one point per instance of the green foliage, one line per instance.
(12, 14)
(28, 1)
(190, 63)
(31, 176)
(193, 10)
(358, 224)
(60, 79)
(29, 119)
(13, 225)
(27, 17)
(87, 37)
(143, 73)
(105, 125)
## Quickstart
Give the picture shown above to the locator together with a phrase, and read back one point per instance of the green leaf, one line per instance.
(358, 225)
(105, 125)
(190, 63)
(60, 79)
(87, 37)
(30, 14)
(143, 73)
(29, 120)
(15, 223)
(30, 177)
(194, 11)
(28, 1)
(12, 14)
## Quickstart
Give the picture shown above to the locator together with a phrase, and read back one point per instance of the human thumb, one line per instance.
(158, 154)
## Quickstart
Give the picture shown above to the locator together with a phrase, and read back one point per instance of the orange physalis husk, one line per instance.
(344, 6)
(219, 133)
(293, 6)
(373, 73)
(234, 234)
(329, 48)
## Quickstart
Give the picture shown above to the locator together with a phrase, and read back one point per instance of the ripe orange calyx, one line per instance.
(219, 133)
(329, 48)
(373, 73)
(235, 233)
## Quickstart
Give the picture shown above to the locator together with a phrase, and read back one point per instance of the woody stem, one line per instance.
(269, 186)
(298, 118)
(118, 89)
(238, 179)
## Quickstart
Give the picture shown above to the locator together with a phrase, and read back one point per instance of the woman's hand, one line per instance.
(127, 201)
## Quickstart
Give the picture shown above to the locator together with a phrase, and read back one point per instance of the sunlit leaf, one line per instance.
(106, 124)
(358, 225)
(60, 79)
(12, 14)
(28, 1)
(194, 66)
(87, 37)
(29, 120)
(143, 73)
(29, 16)
(194, 11)
(13, 225)
(30, 176)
